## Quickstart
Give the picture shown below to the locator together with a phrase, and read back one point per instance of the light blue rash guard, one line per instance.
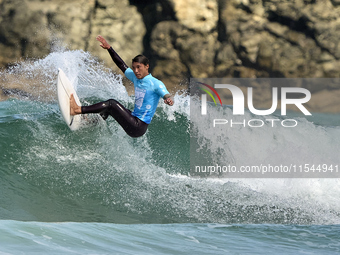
(148, 91)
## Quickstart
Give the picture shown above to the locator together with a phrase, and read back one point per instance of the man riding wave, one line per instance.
(148, 91)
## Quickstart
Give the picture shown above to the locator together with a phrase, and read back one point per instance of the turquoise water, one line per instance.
(98, 191)
(106, 238)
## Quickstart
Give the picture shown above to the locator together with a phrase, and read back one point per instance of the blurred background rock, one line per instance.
(185, 38)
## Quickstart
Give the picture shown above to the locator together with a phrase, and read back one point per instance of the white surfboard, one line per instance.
(65, 89)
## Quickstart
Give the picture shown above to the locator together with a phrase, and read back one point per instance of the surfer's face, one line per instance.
(140, 70)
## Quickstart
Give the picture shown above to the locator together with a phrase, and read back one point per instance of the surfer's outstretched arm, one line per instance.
(115, 57)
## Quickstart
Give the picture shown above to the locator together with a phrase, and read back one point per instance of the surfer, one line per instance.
(148, 91)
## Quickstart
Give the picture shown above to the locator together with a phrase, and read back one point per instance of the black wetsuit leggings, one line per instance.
(132, 125)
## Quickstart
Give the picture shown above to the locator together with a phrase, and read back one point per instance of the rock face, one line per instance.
(184, 38)
(32, 28)
(285, 38)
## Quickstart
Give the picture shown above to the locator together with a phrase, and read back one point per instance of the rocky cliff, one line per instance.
(184, 38)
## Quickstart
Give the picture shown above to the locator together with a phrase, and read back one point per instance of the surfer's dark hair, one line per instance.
(141, 59)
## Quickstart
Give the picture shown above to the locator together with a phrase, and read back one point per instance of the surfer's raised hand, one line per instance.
(104, 44)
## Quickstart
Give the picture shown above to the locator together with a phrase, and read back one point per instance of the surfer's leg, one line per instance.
(133, 126)
(102, 108)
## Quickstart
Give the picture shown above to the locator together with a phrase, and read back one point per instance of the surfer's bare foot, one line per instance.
(74, 108)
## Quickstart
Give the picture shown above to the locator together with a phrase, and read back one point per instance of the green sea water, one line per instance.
(98, 191)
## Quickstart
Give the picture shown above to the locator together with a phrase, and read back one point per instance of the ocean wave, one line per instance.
(100, 174)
